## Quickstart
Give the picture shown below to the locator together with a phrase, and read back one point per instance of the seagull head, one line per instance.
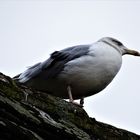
(119, 46)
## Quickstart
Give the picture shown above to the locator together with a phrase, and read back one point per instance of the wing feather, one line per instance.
(55, 64)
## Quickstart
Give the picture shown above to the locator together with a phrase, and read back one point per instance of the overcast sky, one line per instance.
(31, 30)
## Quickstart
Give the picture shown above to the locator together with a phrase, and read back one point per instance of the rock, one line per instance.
(27, 114)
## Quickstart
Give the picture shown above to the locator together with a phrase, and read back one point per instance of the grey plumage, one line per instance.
(58, 59)
(86, 69)
(55, 64)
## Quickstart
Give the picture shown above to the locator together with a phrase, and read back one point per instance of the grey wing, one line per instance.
(29, 73)
(55, 64)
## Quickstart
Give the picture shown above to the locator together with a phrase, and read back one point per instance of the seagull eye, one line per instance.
(117, 42)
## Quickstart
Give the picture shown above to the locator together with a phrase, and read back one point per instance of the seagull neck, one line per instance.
(112, 46)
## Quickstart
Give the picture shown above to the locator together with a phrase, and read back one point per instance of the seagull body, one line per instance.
(85, 69)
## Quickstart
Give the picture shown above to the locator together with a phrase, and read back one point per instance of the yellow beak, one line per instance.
(132, 52)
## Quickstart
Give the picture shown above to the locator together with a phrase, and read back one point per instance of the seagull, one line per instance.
(78, 71)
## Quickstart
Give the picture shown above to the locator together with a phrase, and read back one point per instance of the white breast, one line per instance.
(91, 73)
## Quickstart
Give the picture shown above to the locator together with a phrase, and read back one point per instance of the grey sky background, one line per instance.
(31, 30)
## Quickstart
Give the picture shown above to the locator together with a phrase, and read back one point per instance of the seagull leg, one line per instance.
(71, 98)
(70, 94)
(82, 101)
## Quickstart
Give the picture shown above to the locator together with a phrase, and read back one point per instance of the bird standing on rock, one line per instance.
(79, 71)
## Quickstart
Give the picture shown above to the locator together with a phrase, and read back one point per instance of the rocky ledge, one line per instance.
(27, 114)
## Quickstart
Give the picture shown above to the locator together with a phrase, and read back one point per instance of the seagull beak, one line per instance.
(131, 52)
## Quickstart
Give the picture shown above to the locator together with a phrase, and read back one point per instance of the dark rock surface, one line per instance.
(26, 114)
